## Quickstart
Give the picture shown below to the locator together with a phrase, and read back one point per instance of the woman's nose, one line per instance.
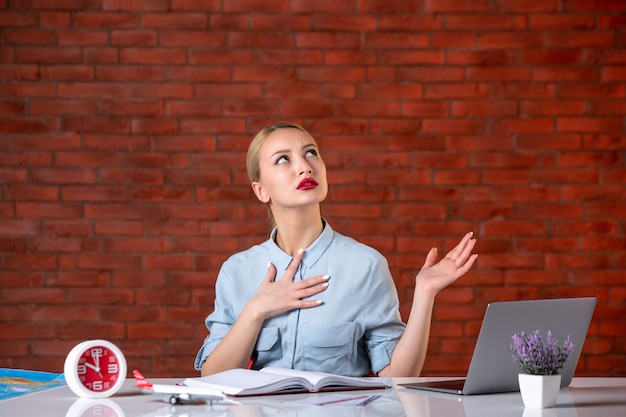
(304, 167)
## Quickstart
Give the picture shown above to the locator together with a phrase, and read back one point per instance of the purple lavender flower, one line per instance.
(538, 357)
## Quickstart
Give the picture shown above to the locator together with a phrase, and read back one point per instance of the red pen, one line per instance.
(340, 400)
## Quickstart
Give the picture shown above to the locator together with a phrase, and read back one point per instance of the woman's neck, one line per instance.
(298, 231)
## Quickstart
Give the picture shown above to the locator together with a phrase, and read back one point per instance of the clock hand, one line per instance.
(95, 368)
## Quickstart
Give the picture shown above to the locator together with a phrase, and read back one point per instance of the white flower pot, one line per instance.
(539, 391)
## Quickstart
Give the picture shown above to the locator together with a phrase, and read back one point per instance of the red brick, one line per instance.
(132, 314)
(29, 37)
(86, 159)
(106, 20)
(67, 72)
(27, 331)
(159, 331)
(593, 90)
(32, 193)
(29, 125)
(611, 21)
(54, 19)
(142, 91)
(526, 125)
(499, 73)
(88, 330)
(236, 57)
(589, 124)
(134, 279)
(175, 21)
(68, 228)
(134, 37)
(512, 40)
(47, 210)
(18, 279)
(12, 176)
(64, 313)
(549, 56)
(135, 245)
(19, 72)
(99, 193)
(129, 73)
(17, 19)
(160, 194)
(456, 6)
(154, 126)
(613, 107)
(585, 39)
(528, 6)
(470, 22)
(118, 227)
(136, 5)
(480, 108)
(82, 37)
(116, 211)
(302, 92)
(48, 55)
(419, 57)
(577, 261)
(108, 262)
(169, 56)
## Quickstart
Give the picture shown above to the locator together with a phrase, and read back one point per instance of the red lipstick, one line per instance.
(307, 184)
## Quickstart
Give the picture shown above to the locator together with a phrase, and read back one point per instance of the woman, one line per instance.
(335, 308)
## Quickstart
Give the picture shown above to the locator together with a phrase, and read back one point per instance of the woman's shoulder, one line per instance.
(345, 244)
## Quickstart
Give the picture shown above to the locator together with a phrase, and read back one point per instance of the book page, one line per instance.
(245, 381)
(323, 379)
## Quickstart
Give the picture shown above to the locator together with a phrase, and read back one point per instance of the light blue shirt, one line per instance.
(353, 332)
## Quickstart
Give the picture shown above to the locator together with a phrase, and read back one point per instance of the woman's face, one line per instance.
(293, 173)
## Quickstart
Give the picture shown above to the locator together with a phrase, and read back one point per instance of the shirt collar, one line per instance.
(312, 254)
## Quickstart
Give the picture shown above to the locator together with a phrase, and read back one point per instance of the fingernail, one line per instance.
(471, 234)
(325, 277)
(325, 285)
(300, 250)
(269, 264)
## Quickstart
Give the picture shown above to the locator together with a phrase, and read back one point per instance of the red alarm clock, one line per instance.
(95, 369)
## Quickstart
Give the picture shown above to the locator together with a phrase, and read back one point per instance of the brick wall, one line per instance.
(123, 128)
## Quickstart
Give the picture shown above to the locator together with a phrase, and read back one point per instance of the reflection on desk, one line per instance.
(586, 397)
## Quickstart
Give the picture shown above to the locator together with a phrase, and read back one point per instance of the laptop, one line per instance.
(492, 369)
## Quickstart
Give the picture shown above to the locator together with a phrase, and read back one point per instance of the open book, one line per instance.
(240, 382)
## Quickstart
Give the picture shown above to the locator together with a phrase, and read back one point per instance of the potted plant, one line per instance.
(540, 360)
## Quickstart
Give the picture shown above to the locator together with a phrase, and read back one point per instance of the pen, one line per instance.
(340, 400)
(369, 400)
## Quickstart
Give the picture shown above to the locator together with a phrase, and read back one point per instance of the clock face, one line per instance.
(98, 368)
(95, 369)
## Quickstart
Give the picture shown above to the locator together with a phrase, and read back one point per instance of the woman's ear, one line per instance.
(259, 191)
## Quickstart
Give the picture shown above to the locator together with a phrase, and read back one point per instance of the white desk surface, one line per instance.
(585, 397)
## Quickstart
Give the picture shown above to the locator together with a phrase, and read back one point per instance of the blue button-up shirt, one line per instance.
(353, 332)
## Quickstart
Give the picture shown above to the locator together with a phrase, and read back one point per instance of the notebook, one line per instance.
(492, 369)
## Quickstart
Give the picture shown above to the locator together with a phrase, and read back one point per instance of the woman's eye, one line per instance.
(311, 152)
(282, 160)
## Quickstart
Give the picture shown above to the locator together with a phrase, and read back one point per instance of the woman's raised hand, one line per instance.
(434, 276)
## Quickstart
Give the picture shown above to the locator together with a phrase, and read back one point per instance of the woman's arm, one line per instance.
(410, 353)
(272, 298)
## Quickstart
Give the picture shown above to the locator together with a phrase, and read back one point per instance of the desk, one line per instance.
(585, 397)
